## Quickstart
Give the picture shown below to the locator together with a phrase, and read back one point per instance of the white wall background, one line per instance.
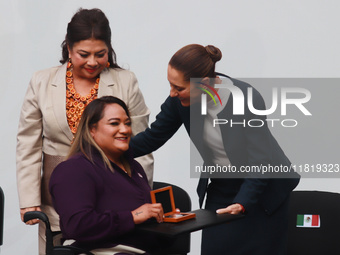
(257, 38)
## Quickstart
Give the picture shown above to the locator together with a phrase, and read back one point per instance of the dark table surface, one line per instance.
(204, 218)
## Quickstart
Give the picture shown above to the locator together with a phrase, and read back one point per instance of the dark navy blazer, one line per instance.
(244, 146)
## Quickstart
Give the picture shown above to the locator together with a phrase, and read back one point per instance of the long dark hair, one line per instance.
(196, 61)
(93, 113)
(88, 24)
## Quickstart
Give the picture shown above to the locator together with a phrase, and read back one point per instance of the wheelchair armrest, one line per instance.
(49, 234)
(70, 250)
(38, 215)
(50, 249)
(35, 215)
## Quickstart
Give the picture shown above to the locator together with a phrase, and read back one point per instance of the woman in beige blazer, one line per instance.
(54, 102)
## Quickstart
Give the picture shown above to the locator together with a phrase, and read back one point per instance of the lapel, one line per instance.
(58, 84)
(106, 83)
(226, 113)
(197, 125)
(196, 129)
(59, 100)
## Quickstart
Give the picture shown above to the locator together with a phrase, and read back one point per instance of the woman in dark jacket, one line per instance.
(262, 198)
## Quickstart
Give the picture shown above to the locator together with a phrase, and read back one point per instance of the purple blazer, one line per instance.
(95, 204)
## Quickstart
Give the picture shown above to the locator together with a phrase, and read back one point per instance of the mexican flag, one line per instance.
(308, 221)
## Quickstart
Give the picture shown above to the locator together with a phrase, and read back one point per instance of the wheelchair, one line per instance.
(180, 246)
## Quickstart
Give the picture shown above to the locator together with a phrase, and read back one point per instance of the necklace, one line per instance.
(75, 103)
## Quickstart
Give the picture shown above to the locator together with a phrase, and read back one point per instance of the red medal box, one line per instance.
(165, 196)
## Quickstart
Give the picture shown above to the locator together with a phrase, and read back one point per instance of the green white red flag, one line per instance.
(308, 221)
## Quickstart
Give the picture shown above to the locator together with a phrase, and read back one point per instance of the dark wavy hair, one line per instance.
(88, 24)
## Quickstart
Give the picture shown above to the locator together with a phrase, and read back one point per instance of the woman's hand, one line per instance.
(148, 211)
(30, 209)
(232, 209)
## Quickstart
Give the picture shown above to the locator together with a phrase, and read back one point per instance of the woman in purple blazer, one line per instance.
(100, 192)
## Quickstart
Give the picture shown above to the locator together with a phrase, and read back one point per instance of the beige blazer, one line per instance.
(43, 126)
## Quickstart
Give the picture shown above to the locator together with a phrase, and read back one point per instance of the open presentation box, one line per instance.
(165, 196)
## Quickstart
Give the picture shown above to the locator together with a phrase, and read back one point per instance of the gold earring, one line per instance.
(108, 64)
(69, 64)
